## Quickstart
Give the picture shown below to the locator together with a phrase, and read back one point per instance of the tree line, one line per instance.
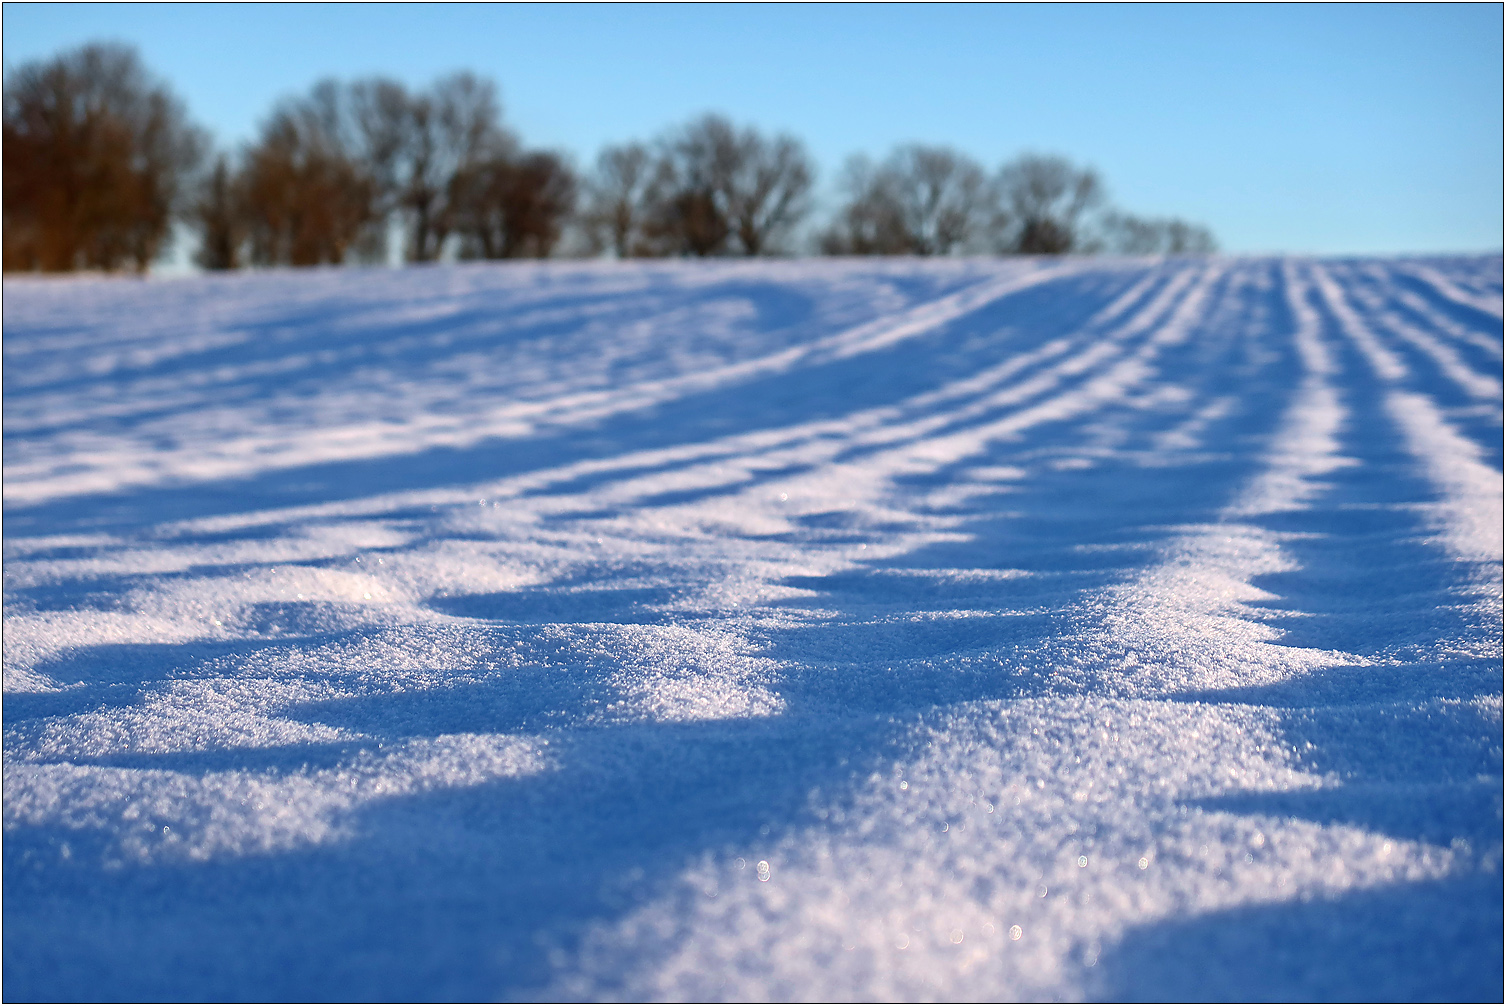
(101, 160)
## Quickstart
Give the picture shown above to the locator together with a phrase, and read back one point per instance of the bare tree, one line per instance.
(920, 201)
(689, 212)
(943, 197)
(1046, 200)
(514, 207)
(1183, 238)
(379, 110)
(616, 195)
(1131, 235)
(374, 150)
(420, 146)
(219, 215)
(870, 221)
(98, 156)
(309, 196)
(706, 188)
(767, 190)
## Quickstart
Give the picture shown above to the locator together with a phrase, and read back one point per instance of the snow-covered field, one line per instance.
(811, 629)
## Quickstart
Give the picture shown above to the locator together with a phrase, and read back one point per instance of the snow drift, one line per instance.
(821, 629)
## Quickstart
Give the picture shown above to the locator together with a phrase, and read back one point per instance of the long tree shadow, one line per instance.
(366, 323)
(484, 890)
(1413, 735)
(476, 892)
(1410, 741)
(810, 393)
(456, 894)
(1421, 941)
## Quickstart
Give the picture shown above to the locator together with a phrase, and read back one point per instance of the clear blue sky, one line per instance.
(1318, 129)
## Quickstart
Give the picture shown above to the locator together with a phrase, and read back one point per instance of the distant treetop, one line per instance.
(100, 160)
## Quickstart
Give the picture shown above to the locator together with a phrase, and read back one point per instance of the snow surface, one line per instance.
(819, 629)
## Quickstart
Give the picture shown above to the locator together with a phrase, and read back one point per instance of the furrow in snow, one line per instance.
(1469, 509)
(1445, 288)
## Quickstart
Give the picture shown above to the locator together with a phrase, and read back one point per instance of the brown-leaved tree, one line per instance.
(98, 158)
